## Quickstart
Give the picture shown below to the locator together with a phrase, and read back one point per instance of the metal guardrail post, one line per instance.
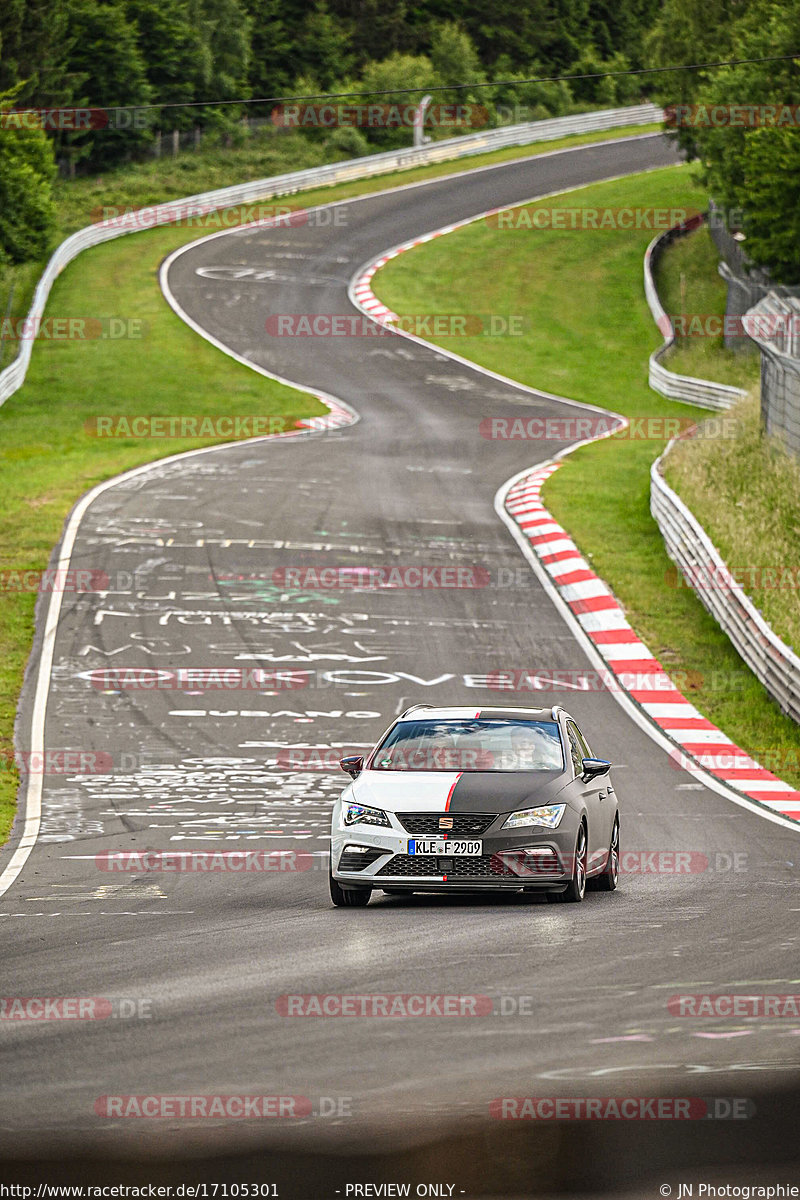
(420, 137)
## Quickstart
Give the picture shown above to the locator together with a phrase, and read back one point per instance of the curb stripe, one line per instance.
(699, 742)
(602, 620)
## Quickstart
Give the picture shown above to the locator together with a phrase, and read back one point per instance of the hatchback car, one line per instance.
(457, 799)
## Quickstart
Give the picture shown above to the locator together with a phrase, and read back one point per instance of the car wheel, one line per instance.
(357, 897)
(608, 879)
(576, 888)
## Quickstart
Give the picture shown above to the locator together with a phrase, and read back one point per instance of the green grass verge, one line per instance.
(688, 283)
(47, 458)
(582, 295)
(745, 492)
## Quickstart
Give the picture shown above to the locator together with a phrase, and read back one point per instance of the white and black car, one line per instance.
(455, 799)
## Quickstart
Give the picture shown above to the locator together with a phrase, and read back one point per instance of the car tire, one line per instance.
(576, 888)
(608, 878)
(356, 897)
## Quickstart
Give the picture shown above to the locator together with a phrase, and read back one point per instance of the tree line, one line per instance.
(750, 154)
(208, 53)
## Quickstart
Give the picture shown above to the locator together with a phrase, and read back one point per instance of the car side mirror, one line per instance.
(353, 764)
(592, 767)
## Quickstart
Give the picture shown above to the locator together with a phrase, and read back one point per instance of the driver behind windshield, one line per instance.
(531, 749)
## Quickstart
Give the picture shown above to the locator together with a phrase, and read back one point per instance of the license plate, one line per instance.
(452, 848)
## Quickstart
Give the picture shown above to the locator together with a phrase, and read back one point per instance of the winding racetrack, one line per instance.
(411, 482)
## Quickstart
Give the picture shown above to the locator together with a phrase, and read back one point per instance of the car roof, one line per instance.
(420, 712)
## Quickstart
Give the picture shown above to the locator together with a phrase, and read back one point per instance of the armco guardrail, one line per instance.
(702, 392)
(295, 181)
(773, 662)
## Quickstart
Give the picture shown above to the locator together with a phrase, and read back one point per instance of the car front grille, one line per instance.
(427, 824)
(484, 866)
(415, 865)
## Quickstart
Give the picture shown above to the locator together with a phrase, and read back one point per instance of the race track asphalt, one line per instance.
(191, 547)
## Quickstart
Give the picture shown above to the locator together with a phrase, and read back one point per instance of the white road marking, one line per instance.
(622, 698)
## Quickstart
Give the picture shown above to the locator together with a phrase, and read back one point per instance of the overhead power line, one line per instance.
(450, 87)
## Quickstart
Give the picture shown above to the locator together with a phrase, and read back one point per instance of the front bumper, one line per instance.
(529, 858)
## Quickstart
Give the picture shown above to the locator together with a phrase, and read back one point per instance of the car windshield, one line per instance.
(471, 744)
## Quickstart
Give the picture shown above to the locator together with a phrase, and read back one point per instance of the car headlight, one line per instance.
(361, 814)
(548, 816)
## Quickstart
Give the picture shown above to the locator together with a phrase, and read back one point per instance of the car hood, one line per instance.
(470, 791)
